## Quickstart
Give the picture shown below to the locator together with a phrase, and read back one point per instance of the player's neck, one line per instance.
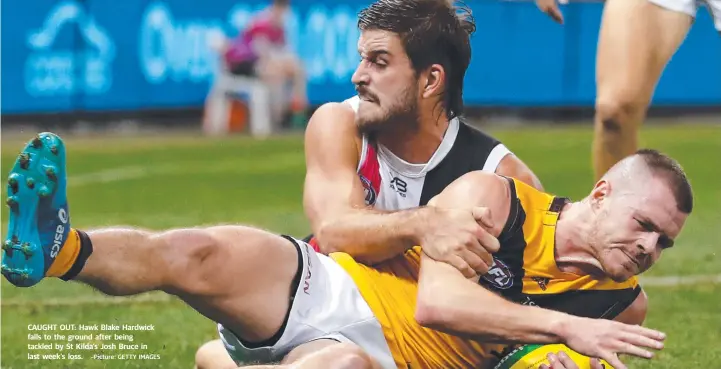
(415, 145)
(573, 251)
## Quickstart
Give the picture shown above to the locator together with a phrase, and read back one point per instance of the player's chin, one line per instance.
(369, 121)
(621, 272)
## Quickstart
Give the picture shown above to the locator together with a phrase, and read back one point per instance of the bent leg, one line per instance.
(271, 71)
(636, 41)
(296, 74)
(246, 279)
(238, 276)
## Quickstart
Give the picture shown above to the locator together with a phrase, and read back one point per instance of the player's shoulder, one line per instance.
(476, 180)
(331, 120)
(331, 113)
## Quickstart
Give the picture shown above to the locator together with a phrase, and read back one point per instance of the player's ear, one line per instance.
(432, 81)
(600, 193)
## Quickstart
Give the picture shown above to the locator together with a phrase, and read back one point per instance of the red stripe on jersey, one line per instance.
(313, 242)
(370, 175)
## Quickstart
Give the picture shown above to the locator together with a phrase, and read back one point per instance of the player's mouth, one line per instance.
(367, 99)
(634, 261)
(364, 95)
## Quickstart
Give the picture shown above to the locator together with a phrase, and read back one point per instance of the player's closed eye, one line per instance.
(663, 240)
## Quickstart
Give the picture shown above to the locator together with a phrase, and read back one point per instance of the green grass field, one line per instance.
(172, 181)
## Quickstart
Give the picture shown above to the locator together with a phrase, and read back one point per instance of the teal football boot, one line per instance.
(39, 221)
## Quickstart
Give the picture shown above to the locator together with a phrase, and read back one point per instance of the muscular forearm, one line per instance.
(372, 236)
(467, 309)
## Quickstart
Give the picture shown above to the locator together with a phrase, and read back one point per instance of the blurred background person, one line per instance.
(261, 50)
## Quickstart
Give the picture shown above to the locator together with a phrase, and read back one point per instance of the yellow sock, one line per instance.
(67, 256)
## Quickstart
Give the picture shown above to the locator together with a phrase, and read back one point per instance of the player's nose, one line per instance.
(360, 75)
(647, 245)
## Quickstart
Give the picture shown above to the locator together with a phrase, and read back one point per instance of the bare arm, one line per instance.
(334, 195)
(451, 303)
(512, 166)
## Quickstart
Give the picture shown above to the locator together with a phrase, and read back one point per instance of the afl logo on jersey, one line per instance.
(499, 275)
(370, 193)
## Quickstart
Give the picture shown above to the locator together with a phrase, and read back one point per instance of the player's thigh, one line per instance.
(267, 261)
(327, 305)
(328, 353)
(212, 355)
(243, 277)
(636, 41)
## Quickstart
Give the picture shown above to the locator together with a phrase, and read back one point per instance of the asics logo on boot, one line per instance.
(63, 216)
(58, 241)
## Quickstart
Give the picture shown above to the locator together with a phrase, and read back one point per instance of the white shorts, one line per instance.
(327, 305)
(691, 6)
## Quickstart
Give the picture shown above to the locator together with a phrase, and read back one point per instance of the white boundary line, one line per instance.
(108, 175)
(141, 171)
(158, 298)
(676, 281)
(90, 300)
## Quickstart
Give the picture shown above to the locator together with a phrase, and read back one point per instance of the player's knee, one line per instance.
(350, 356)
(615, 113)
(189, 256)
(212, 355)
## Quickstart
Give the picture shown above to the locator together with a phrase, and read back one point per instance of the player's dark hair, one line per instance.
(670, 169)
(432, 32)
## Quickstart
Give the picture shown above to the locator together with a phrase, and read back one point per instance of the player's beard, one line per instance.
(402, 112)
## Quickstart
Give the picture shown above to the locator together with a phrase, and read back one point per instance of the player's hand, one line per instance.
(550, 7)
(460, 237)
(605, 339)
(563, 361)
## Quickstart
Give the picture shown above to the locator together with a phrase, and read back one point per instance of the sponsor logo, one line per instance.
(400, 186)
(542, 282)
(529, 302)
(499, 275)
(179, 49)
(59, 232)
(309, 273)
(50, 71)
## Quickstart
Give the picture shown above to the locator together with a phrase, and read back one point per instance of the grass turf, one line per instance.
(175, 181)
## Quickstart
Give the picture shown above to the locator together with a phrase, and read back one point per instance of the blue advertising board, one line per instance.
(96, 55)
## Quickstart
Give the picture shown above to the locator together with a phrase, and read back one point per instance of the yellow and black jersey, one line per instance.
(524, 271)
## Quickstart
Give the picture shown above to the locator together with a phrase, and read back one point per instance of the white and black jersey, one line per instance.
(394, 184)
